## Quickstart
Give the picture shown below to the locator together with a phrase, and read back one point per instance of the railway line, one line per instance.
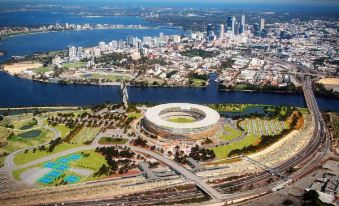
(307, 159)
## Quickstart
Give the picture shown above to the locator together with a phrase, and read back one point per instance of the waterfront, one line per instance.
(43, 42)
(22, 92)
(37, 18)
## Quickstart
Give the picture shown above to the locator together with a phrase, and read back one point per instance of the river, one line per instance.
(22, 92)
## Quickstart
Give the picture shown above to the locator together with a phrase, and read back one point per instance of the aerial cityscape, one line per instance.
(145, 102)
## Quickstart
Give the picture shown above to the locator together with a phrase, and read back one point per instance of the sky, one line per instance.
(293, 5)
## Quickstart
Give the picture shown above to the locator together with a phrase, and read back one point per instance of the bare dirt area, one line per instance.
(329, 81)
(15, 68)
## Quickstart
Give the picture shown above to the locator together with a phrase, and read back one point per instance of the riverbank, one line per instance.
(16, 68)
(87, 29)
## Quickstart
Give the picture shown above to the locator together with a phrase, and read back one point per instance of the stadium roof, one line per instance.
(211, 116)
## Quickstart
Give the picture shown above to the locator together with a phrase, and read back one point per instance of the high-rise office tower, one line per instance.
(242, 25)
(71, 51)
(231, 23)
(79, 52)
(236, 28)
(243, 20)
(262, 24)
(130, 40)
(221, 30)
(209, 29)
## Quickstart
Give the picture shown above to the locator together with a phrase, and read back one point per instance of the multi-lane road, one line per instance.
(307, 159)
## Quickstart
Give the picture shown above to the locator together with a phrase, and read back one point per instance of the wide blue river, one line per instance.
(21, 92)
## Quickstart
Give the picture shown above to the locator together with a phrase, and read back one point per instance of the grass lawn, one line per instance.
(230, 133)
(134, 114)
(74, 65)
(181, 120)
(221, 152)
(303, 110)
(24, 158)
(42, 70)
(4, 133)
(110, 140)
(17, 142)
(24, 124)
(63, 130)
(111, 76)
(93, 162)
(232, 107)
(198, 82)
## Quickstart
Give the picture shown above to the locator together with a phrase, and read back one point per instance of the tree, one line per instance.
(311, 197)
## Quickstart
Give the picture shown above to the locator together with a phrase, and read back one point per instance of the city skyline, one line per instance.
(145, 102)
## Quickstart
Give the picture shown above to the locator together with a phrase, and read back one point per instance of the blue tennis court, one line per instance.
(46, 180)
(53, 174)
(51, 165)
(64, 160)
(60, 166)
(72, 179)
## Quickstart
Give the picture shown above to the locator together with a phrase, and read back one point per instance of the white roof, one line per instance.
(211, 116)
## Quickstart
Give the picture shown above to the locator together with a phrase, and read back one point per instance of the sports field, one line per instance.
(181, 120)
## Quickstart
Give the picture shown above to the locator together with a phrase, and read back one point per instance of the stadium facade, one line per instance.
(204, 121)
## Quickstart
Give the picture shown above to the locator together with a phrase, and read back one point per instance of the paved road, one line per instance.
(54, 156)
(175, 166)
(184, 172)
(320, 134)
(9, 166)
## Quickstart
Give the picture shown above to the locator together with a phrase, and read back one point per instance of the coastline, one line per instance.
(75, 30)
(150, 86)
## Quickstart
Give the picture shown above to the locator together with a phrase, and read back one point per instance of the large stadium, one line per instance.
(181, 121)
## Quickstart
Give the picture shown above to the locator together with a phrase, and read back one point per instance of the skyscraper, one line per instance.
(130, 40)
(71, 52)
(221, 30)
(262, 24)
(236, 28)
(79, 52)
(231, 23)
(242, 25)
(209, 29)
(243, 20)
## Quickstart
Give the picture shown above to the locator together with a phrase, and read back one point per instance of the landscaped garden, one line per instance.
(111, 140)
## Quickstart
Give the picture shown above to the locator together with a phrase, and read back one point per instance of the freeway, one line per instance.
(308, 158)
